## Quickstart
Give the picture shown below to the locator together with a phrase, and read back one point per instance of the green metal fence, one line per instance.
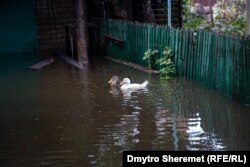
(215, 60)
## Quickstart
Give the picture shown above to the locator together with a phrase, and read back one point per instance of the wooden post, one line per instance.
(81, 31)
(169, 6)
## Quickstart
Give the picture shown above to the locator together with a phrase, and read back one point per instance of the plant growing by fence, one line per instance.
(167, 67)
(150, 57)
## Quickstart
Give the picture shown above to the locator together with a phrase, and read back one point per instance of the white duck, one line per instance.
(126, 85)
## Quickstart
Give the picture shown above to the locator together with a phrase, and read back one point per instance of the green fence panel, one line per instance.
(215, 60)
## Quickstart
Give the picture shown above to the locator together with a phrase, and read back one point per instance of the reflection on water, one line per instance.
(65, 117)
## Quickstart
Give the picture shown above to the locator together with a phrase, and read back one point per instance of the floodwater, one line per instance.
(61, 116)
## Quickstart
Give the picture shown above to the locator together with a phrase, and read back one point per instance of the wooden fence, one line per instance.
(215, 60)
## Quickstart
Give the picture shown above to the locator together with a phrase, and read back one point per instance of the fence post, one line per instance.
(81, 32)
(169, 13)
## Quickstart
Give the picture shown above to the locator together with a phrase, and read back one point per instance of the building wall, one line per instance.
(17, 26)
(52, 17)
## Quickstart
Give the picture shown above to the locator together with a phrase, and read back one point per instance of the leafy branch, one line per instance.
(167, 67)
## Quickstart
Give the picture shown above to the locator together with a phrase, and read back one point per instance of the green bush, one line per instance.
(167, 67)
(229, 17)
(150, 56)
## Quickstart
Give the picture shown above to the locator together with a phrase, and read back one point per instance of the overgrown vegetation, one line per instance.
(150, 57)
(167, 67)
(191, 20)
(229, 17)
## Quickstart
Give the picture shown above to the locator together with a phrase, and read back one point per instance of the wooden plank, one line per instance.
(71, 61)
(92, 25)
(136, 66)
(42, 64)
(114, 39)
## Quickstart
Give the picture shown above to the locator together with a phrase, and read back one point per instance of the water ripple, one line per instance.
(62, 116)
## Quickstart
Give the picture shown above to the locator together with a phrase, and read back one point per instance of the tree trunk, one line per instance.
(148, 12)
(81, 30)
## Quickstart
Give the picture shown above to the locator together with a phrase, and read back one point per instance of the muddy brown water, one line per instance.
(61, 116)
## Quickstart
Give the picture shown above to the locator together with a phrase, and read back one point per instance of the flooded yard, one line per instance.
(62, 116)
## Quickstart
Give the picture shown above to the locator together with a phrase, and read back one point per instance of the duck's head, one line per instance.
(125, 81)
(114, 81)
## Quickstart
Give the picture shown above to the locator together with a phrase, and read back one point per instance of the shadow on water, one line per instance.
(64, 117)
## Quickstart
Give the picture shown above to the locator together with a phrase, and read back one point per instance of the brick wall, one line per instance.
(52, 17)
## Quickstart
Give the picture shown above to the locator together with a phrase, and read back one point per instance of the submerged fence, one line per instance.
(215, 60)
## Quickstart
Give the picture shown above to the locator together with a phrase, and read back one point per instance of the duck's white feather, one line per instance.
(125, 85)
